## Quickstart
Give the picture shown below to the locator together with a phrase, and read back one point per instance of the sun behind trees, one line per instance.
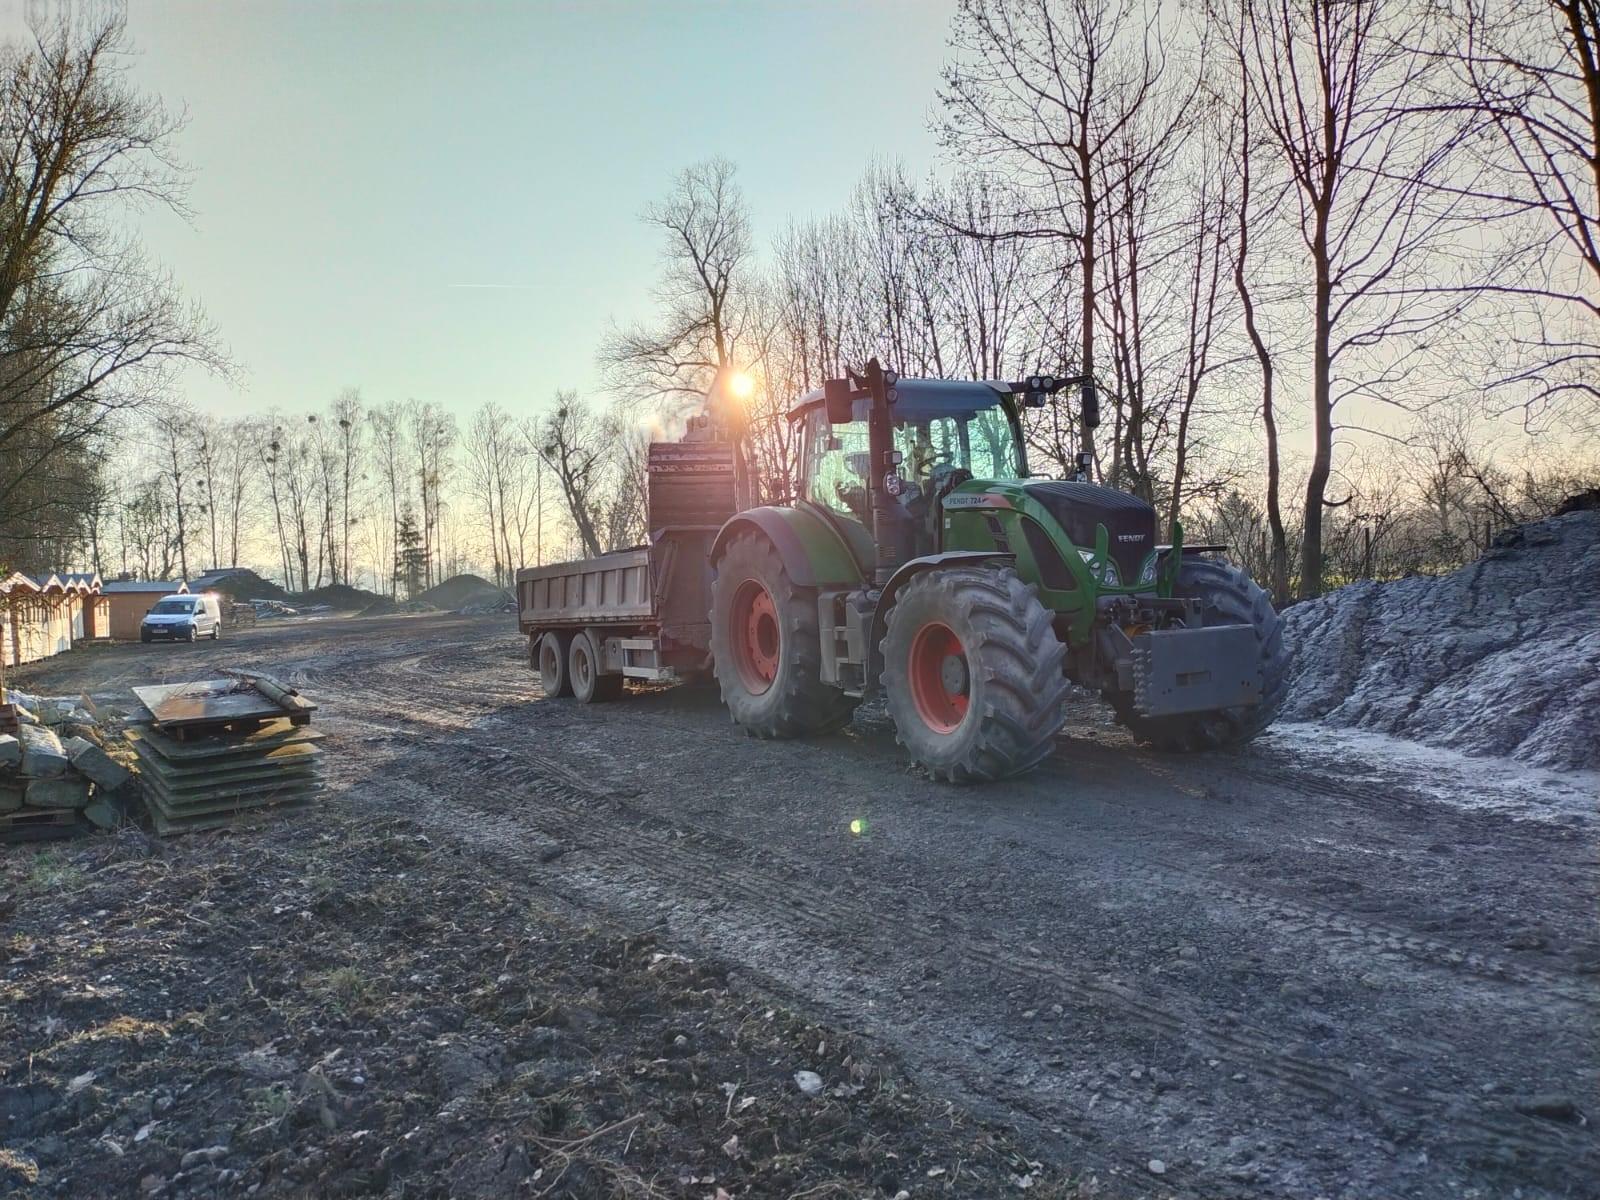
(1332, 265)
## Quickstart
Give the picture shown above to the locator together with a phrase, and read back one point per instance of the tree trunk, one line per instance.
(1322, 422)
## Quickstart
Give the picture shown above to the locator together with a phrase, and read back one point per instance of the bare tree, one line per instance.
(238, 459)
(1050, 92)
(388, 424)
(208, 461)
(1530, 71)
(433, 433)
(1334, 87)
(572, 442)
(1241, 153)
(87, 329)
(346, 418)
(174, 428)
(705, 252)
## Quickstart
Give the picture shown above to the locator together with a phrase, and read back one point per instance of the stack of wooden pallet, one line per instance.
(217, 750)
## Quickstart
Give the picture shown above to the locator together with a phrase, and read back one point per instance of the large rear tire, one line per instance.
(766, 649)
(1228, 597)
(550, 660)
(589, 686)
(974, 674)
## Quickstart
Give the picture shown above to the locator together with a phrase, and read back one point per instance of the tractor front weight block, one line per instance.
(1196, 670)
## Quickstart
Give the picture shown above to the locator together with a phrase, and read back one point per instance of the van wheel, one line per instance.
(193, 635)
(216, 632)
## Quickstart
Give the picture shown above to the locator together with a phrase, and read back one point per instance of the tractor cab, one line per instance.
(945, 434)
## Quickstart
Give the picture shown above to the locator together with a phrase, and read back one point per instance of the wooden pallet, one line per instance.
(260, 742)
(40, 824)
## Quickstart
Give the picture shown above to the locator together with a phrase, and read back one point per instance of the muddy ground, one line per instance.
(1312, 969)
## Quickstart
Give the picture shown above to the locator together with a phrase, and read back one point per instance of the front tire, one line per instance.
(1228, 597)
(974, 674)
(766, 648)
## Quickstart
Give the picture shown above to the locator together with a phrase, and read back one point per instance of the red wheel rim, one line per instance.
(940, 677)
(757, 641)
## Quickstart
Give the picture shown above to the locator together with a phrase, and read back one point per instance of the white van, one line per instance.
(183, 618)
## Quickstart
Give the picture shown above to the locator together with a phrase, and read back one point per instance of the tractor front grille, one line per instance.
(1079, 507)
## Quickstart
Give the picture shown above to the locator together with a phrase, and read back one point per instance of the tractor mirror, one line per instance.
(1091, 405)
(839, 401)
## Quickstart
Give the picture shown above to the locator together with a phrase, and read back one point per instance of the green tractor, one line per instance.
(923, 562)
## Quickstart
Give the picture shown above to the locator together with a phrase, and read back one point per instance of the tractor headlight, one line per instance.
(1147, 573)
(1107, 573)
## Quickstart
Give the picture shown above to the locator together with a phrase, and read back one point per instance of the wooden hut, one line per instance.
(44, 615)
(129, 599)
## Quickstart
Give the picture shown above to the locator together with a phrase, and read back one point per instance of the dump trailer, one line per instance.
(641, 613)
(923, 562)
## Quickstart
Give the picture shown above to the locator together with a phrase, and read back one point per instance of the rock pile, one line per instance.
(1499, 658)
(55, 778)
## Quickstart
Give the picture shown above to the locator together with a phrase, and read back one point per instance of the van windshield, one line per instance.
(167, 608)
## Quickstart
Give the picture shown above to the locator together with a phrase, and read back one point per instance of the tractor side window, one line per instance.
(838, 466)
(994, 446)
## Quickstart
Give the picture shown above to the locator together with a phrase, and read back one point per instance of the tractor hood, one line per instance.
(1079, 507)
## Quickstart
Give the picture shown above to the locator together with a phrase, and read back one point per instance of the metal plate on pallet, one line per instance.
(260, 742)
(211, 702)
(167, 826)
(221, 770)
(282, 797)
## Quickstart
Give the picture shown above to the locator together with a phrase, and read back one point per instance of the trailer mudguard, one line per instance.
(813, 553)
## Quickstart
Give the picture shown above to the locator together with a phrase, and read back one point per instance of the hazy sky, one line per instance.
(353, 161)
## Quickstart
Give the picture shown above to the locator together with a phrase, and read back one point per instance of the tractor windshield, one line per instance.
(982, 441)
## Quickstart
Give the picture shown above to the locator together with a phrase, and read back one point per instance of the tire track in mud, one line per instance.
(1297, 917)
(1332, 924)
(1335, 926)
(465, 747)
(717, 868)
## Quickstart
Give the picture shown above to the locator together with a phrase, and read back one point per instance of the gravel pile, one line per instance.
(1499, 658)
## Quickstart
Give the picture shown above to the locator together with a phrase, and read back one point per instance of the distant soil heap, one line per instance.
(1499, 658)
(335, 595)
(464, 591)
(244, 584)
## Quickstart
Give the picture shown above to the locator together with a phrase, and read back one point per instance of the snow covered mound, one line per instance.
(1499, 658)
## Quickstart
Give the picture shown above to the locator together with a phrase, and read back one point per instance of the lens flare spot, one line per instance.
(858, 827)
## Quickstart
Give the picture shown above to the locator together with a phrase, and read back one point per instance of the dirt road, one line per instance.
(1292, 972)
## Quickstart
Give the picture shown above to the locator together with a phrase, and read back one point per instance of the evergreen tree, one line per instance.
(411, 559)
